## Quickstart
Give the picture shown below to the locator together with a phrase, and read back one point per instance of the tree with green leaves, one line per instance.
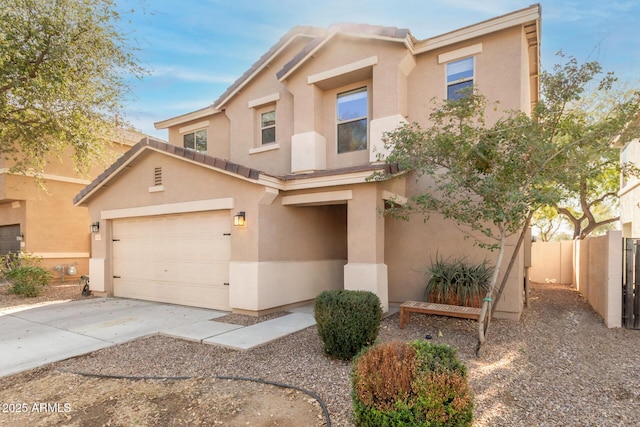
(590, 179)
(547, 225)
(491, 178)
(64, 70)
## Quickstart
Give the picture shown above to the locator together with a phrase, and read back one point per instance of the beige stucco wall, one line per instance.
(552, 262)
(54, 229)
(302, 233)
(411, 246)
(595, 266)
(217, 126)
(283, 255)
(282, 241)
(498, 72)
(400, 85)
(604, 277)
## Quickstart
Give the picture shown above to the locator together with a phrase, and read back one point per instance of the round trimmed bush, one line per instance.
(347, 321)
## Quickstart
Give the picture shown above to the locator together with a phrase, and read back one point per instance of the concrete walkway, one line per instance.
(33, 337)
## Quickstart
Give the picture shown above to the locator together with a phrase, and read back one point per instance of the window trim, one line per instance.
(471, 79)
(263, 128)
(338, 122)
(194, 132)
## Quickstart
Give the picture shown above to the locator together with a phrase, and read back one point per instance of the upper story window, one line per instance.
(195, 140)
(268, 127)
(352, 117)
(459, 77)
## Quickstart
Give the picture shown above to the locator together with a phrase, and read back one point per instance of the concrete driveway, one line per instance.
(37, 336)
(33, 337)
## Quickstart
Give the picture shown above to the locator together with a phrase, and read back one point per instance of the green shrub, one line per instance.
(438, 358)
(457, 282)
(410, 384)
(347, 321)
(28, 281)
(23, 272)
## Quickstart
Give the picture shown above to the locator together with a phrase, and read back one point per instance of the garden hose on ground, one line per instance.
(219, 377)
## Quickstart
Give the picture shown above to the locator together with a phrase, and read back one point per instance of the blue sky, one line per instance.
(194, 49)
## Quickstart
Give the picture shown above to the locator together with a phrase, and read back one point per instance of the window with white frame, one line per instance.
(268, 127)
(460, 76)
(352, 117)
(195, 140)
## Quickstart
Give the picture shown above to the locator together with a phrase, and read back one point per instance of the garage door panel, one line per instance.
(180, 259)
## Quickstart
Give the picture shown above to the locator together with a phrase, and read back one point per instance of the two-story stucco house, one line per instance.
(40, 217)
(261, 200)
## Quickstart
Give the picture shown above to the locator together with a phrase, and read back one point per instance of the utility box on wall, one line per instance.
(96, 274)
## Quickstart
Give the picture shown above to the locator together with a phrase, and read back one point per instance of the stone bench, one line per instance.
(408, 307)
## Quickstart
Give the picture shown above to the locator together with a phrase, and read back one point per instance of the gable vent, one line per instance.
(157, 176)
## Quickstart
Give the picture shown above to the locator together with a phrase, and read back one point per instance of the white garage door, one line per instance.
(179, 259)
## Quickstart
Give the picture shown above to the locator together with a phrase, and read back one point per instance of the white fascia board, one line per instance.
(205, 112)
(480, 29)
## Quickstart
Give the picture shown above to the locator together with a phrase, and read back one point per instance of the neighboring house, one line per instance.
(630, 192)
(40, 218)
(287, 151)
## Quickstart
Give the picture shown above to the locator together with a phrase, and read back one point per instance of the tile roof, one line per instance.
(174, 150)
(217, 163)
(297, 31)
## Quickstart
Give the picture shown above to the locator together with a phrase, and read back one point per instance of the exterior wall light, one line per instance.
(95, 227)
(20, 237)
(239, 220)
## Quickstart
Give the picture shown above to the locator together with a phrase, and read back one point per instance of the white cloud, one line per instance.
(191, 75)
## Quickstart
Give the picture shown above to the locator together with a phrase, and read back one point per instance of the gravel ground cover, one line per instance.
(558, 366)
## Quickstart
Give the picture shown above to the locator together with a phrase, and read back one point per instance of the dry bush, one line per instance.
(385, 374)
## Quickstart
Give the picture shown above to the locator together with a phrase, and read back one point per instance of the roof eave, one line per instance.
(519, 17)
(195, 115)
(244, 80)
(407, 41)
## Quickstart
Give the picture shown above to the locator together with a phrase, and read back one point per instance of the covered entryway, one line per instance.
(178, 259)
(8, 238)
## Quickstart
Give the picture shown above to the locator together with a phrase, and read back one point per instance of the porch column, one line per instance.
(365, 268)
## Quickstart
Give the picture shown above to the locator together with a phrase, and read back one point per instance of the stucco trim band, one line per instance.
(195, 126)
(327, 197)
(344, 69)
(170, 208)
(460, 53)
(50, 255)
(264, 100)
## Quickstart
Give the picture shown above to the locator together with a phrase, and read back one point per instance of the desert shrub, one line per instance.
(457, 282)
(24, 274)
(385, 374)
(438, 358)
(28, 281)
(347, 321)
(410, 384)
